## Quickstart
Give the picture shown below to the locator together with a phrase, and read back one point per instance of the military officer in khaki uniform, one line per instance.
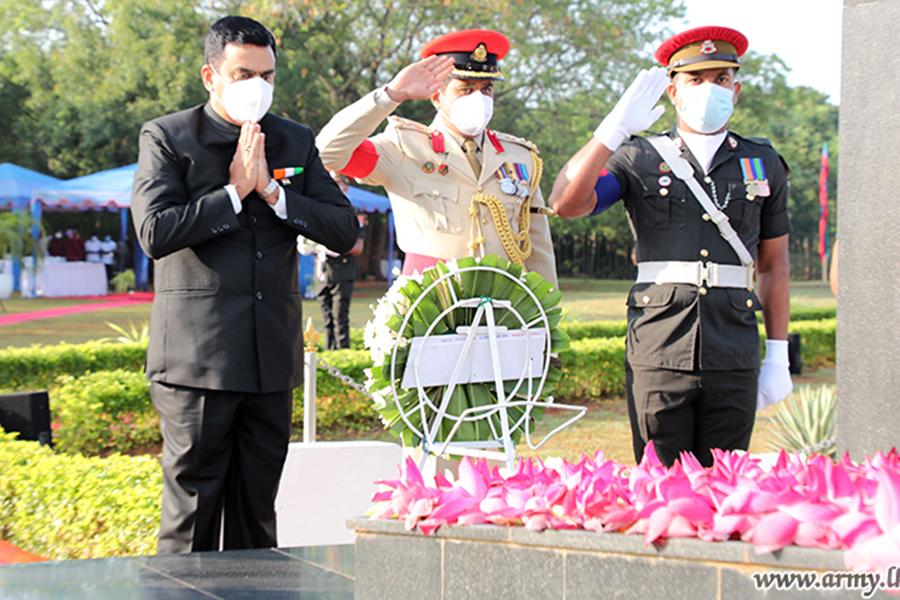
(709, 210)
(456, 187)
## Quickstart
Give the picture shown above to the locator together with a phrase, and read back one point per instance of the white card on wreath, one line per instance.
(440, 354)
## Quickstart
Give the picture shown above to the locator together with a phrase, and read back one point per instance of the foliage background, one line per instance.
(79, 77)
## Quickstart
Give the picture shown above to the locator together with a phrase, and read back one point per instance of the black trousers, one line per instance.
(690, 410)
(223, 453)
(337, 331)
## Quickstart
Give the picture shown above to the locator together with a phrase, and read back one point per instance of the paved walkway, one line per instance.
(112, 301)
(312, 573)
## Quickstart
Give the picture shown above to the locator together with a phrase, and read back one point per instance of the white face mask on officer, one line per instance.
(246, 99)
(470, 113)
(705, 108)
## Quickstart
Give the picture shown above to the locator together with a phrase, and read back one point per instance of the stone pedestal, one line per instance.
(324, 484)
(868, 344)
(486, 561)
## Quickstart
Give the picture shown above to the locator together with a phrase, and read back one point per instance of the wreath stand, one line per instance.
(510, 358)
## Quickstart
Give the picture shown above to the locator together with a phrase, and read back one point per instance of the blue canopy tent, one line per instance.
(112, 190)
(369, 202)
(107, 190)
(16, 185)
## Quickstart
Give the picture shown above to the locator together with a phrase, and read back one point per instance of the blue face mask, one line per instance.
(707, 107)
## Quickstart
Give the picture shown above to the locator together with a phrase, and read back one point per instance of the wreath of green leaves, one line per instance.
(431, 309)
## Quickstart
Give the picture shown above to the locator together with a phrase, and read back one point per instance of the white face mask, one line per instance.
(707, 107)
(246, 99)
(471, 113)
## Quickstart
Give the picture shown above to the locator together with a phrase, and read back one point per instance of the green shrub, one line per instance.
(339, 406)
(817, 342)
(580, 330)
(123, 281)
(37, 367)
(593, 365)
(61, 506)
(591, 368)
(107, 410)
(811, 313)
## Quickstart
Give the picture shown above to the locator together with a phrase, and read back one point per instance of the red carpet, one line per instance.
(9, 554)
(111, 301)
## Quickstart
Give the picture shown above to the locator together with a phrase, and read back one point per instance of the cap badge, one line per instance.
(480, 54)
(708, 47)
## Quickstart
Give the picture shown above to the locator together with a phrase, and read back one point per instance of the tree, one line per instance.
(798, 121)
(94, 75)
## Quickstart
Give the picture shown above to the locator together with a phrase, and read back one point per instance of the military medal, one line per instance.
(514, 179)
(755, 177)
(508, 186)
(664, 168)
(665, 181)
(507, 182)
(524, 189)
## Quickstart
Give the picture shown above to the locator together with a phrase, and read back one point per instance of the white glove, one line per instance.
(634, 112)
(775, 375)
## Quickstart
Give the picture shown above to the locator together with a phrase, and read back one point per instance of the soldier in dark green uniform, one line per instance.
(709, 212)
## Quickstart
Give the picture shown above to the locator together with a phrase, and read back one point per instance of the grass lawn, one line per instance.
(604, 427)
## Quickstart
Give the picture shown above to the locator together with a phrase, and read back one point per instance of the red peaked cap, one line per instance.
(475, 52)
(702, 48)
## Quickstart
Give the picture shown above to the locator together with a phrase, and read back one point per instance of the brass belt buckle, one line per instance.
(712, 274)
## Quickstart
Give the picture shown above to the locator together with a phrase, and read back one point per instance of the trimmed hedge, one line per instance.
(37, 367)
(591, 368)
(809, 313)
(338, 406)
(581, 330)
(817, 342)
(111, 408)
(61, 506)
(104, 411)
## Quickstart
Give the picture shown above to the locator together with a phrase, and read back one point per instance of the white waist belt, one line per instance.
(695, 273)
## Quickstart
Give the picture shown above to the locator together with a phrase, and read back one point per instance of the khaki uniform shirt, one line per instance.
(431, 191)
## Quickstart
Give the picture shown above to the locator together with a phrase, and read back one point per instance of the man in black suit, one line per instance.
(221, 192)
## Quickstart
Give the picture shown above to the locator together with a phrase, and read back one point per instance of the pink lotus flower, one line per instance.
(806, 502)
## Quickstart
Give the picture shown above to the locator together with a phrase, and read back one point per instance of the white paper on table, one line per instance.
(441, 353)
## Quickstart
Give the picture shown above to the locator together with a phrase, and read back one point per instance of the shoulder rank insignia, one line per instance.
(505, 137)
(402, 123)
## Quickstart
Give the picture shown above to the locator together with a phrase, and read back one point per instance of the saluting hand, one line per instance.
(635, 110)
(244, 169)
(420, 80)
